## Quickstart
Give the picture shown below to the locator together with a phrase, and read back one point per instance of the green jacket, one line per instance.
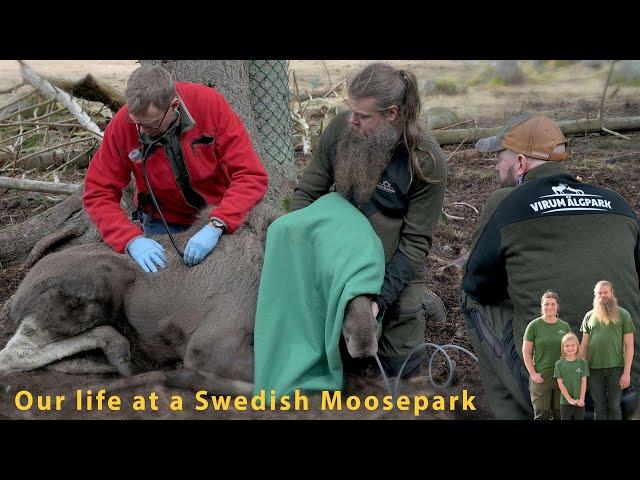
(403, 209)
(555, 233)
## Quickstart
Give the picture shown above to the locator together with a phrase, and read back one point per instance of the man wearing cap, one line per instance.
(544, 230)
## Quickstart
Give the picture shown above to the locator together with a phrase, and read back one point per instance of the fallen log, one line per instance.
(38, 186)
(56, 158)
(568, 127)
(92, 89)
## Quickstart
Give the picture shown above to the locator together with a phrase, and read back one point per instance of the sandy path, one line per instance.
(115, 72)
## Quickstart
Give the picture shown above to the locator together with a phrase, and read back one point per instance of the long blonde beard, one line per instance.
(361, 159)
(606, 312)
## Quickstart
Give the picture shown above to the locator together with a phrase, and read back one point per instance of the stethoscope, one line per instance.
(146, 150)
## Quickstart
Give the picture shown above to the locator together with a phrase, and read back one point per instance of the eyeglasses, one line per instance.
(147, 126)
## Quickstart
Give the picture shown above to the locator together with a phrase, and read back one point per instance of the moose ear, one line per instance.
(69, 290)
(50, 287)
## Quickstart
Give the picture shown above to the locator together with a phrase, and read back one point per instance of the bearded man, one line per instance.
(607, 343)
(382, 161)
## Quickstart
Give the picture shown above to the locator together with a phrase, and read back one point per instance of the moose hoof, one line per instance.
(433, 307)
(120, 357)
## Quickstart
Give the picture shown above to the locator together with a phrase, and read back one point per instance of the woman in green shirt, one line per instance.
(541, 350)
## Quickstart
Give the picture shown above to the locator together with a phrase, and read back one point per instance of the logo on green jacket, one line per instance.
(565, 198)
(386, 186)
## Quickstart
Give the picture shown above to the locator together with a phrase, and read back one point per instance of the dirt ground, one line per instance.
(604, 160)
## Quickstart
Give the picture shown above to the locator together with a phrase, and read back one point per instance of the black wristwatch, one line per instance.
(216, 222)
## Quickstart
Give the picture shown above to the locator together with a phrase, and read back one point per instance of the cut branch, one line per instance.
(38, 186)
(40, 152)
(85, 152)
(18, 100)
(456, 265)
(43, 124)
(454, 125)
(465, 205)
(306, 142)
(604, 129)
(452, 217)
(333, 89)
(30, 110)
(63, 97)
(11, 89)
(24, 135)
(324, 64)
(604, 94)
(457, 148)
(34, 121)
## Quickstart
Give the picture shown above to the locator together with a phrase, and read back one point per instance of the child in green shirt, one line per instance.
(571, 371)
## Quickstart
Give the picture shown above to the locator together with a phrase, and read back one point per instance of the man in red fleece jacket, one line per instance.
(195, 151)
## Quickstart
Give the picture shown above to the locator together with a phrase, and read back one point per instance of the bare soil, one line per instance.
(604, 160)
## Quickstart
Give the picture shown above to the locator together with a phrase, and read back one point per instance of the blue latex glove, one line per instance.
(201, 245)
(148, 253)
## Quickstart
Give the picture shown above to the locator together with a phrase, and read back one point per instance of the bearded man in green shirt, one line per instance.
(607, 343)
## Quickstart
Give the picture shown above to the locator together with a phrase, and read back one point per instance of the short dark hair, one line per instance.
(149, 85)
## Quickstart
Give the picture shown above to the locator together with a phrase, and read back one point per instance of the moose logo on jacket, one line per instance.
(565, 198)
